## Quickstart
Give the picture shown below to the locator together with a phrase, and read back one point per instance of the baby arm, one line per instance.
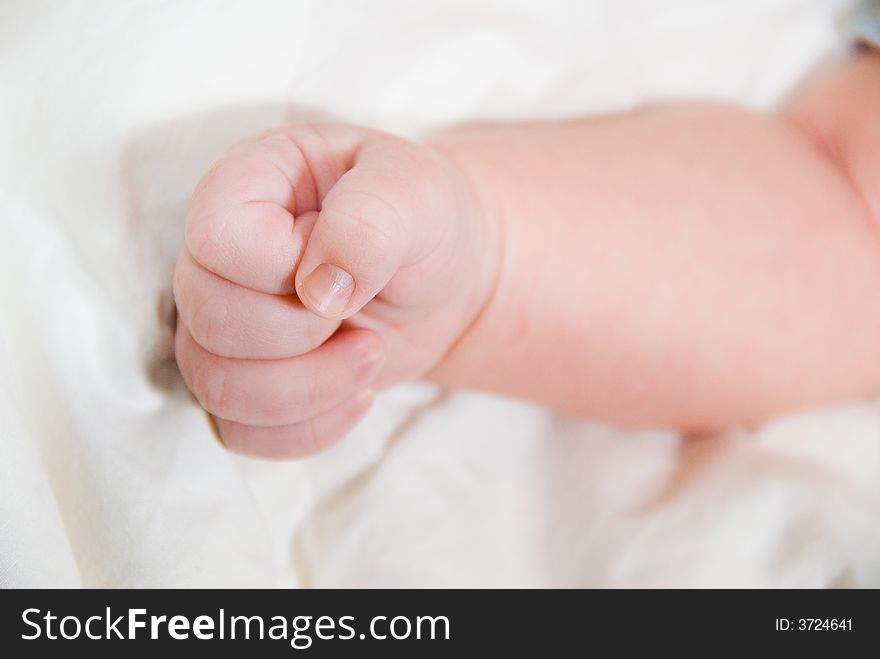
(693, 266)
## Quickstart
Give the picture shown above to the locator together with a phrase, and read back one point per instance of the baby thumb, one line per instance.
(355, 248)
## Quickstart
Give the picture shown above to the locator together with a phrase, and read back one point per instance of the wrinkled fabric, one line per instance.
(109, 472)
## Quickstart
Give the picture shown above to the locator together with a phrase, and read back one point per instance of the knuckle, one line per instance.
(213, 177)
(201, 239)
(180, 289)
(315, 330)
(211, 388)
(178, 285)
(313, 436)
(181, 357)
(204, 229)
(373, 219)
(277, 142)
(310, 332)
(308, 437)
(314, 387)
(209, 324)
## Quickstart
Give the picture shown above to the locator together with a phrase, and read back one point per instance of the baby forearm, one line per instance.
(694, 266)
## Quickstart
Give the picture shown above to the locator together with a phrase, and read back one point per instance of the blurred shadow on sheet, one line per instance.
(655, 510)
(591, 481)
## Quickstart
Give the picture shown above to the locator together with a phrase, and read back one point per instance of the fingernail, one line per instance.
(328, 288)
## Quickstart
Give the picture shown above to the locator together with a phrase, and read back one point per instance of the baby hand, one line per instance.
(321, 262)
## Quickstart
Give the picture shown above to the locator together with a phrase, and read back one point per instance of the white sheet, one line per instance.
(109, 475)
